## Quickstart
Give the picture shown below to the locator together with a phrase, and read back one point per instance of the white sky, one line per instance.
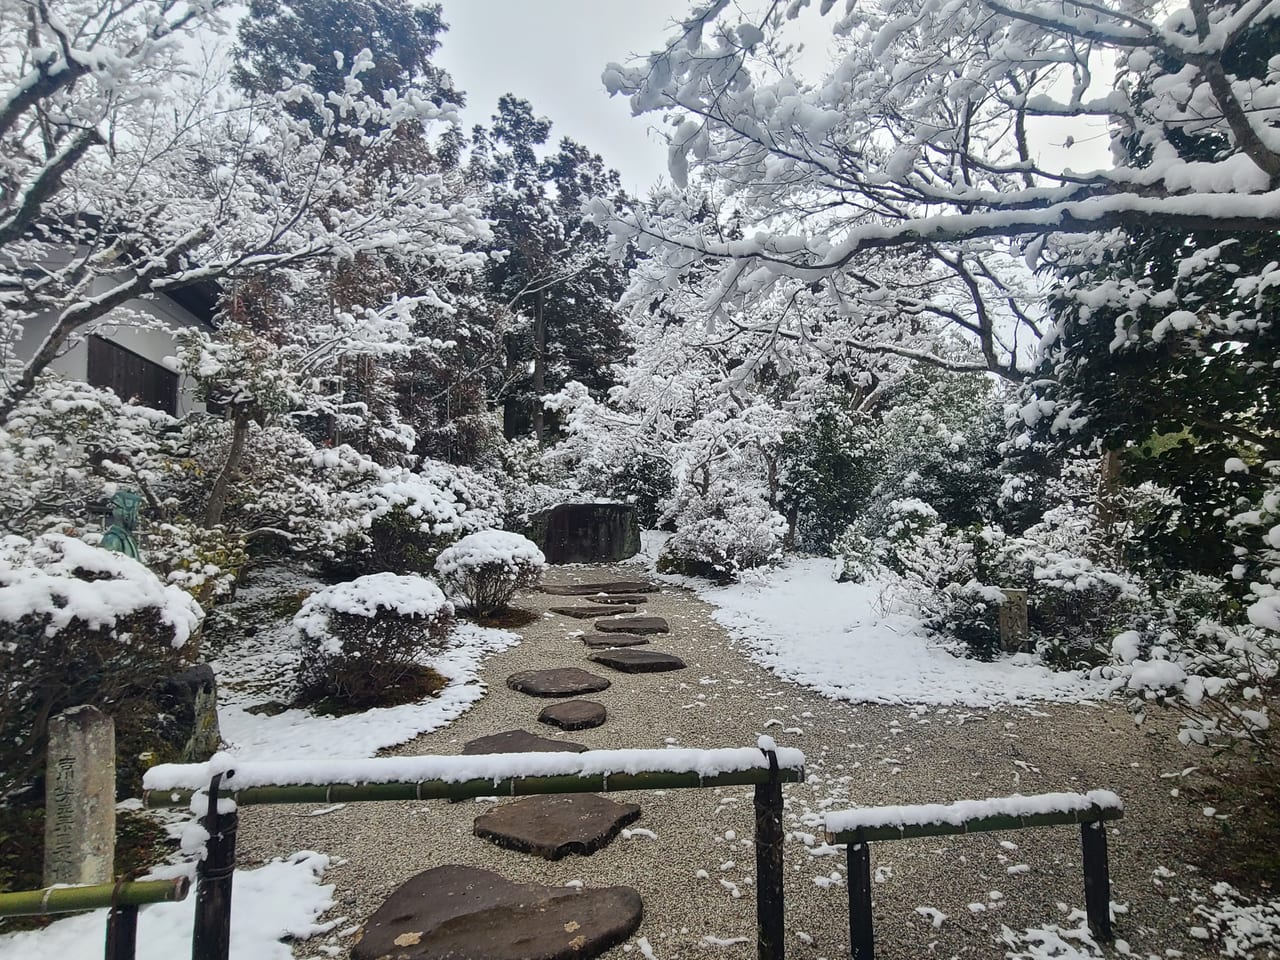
(552, 52)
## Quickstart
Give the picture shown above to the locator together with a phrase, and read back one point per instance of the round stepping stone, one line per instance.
(554, 826)
(633, 625)
(609, 586)
(455, 912)
(603, 641)
(638, 661)
(587, 613)
(573, 715)
(557, 682)
(521, 741)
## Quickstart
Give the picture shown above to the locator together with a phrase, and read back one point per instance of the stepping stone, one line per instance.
(604, 641)
(638, 661)
(633, 625)
(616, 598)
(522, 741)
(455, 913)
(552, 827)
(587, 613)
(611, 586)
(557, 682)
(574, 715)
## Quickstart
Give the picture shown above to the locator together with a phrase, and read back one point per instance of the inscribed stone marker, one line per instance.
(1013, 618)
(80, 798)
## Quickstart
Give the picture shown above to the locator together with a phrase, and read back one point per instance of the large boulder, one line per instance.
(587, 532)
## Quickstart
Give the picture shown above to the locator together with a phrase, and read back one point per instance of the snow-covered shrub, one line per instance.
(729, 529)
(486, 568)
(362, 643)
(78, 624)
(871, 544)
(1222, 674)
(204, 562)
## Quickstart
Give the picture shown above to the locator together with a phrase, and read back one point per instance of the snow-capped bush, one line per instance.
(486, 568)
(78, 624)
(204, 562)
(362, 643)
(718, 534)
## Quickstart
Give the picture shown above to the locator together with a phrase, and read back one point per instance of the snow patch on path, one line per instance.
(798, 622)
(302, 735)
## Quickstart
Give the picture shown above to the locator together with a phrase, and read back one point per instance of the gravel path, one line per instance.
(857, 755)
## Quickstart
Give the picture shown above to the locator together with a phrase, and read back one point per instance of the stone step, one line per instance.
(552, 827)
(603, 641)
(574, 715)
(590, 613)
(521, 741)
(634, 599)
(633, 625)
(608, 586)
(557, 682)
(455, 912)
(638, 661)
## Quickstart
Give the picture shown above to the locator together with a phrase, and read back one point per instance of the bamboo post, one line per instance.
(1097, 880)
(50, 900)
(770, 929)
(862, 940)
(211, 935)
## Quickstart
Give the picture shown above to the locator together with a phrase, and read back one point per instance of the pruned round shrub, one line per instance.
(362, 643)
(486, 568)
(78, 624)
(721, 533)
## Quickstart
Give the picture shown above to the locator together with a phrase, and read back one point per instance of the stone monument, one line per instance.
(80, 798)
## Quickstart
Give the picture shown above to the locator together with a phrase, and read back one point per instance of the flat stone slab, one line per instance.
(553, 827)
(609, 586)
(638, 661)
(521, 741)
(557, 682)
(464, 913)
(631, 599)
(588, 613)
(633, 625)
(604, 641)
(574, 715)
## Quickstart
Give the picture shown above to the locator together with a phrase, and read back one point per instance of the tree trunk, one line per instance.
(218, 495)
(539, 368)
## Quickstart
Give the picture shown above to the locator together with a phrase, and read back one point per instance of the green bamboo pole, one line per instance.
(980, 825)
(91, 897)
(467, 789)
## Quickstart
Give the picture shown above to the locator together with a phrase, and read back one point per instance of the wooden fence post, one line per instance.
(770, 928)
(862, 939)
(211, 936)
(1097, 879)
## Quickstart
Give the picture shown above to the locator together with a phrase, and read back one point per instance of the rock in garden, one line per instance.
(553, 827)
(615, 599)
(521, 741)
(589, 589)
(588, 613)
(600, 641)
(638, 661)
(574, 715)
(586, 532)
(633, 625)
(463, 913)
(557, 682)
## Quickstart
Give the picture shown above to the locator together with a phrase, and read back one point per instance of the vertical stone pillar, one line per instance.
(80, 798)
(1013, 619)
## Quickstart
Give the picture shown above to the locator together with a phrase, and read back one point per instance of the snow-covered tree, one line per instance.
(126, 171)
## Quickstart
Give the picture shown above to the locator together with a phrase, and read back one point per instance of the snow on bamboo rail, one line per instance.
(971, 816)
(460, 777)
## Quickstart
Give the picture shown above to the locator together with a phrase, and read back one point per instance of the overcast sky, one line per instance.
(551, 53)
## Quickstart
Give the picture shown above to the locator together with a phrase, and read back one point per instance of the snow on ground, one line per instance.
(280, 899)
(299, 734)
(258, 668)
(797, 621)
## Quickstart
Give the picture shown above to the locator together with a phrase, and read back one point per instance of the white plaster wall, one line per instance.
(120, 326)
